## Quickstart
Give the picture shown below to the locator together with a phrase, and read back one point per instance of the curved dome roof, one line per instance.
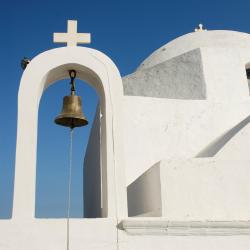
(194, 40)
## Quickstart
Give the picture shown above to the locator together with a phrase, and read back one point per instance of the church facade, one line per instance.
(167, 164)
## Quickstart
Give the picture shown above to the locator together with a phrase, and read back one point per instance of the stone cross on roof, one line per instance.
(72, 38)
(200, 28)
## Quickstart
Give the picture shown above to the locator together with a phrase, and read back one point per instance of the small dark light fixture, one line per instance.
(24, 62)
(248, 73)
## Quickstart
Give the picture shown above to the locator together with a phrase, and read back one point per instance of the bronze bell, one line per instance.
(71, 114)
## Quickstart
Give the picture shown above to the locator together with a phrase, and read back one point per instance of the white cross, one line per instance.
(72, 38)
(200, 28)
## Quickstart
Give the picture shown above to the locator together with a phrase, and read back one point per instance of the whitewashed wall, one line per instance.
(203, 188)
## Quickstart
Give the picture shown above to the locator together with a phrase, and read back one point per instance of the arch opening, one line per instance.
(95, 172)
(53, 153)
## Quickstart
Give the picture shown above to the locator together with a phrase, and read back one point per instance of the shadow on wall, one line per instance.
(213, 148)
(144, 194)
(93, 205)
(181, 77)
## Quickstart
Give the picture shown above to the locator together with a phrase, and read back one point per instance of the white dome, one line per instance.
(194, 40)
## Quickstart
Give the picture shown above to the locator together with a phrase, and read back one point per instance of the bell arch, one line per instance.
(101, 73)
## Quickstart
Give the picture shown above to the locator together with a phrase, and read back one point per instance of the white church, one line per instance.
(168, 158)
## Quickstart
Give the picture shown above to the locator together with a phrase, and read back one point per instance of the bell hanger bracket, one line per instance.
(72, 75)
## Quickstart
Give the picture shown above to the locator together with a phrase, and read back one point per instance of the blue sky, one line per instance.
(127, 31)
